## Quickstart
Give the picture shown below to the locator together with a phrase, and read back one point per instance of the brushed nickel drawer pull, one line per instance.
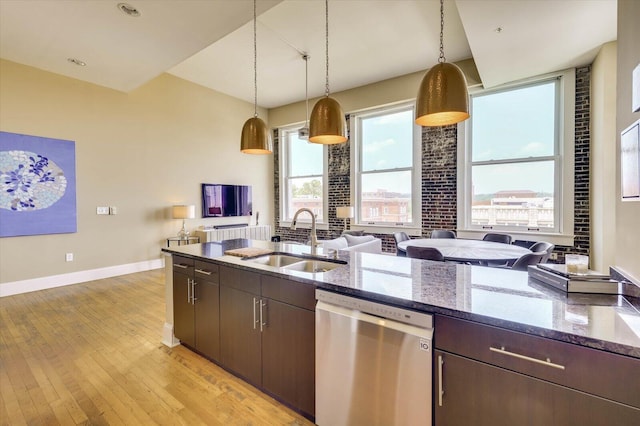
(263, 315)
(440, 390)
(546, 362)
(202, 271)
(180, 265)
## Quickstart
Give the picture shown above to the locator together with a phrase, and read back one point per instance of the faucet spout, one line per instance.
(314, 238)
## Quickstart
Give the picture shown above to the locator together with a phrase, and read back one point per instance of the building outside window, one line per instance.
(386, 167)
(518, 158)
(302, 177)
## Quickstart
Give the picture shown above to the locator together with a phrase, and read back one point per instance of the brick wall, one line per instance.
(439, 180)
(582, 227)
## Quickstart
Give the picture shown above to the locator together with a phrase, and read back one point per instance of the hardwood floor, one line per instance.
(91, 354)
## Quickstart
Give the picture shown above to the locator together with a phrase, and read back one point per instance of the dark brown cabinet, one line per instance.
(288, 343)
(490, 376)
(196, 305)
(183, 312)
(268, 334)
(240, 334)
(207, 309)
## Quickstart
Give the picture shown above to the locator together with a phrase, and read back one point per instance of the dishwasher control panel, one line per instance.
(418, 319)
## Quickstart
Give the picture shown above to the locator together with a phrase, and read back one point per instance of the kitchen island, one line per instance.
(597, 337)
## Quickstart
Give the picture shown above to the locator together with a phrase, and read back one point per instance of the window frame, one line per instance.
(355, 129)
(304, 220)
(563, 156)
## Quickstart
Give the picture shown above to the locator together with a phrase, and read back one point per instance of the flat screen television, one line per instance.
(219, 200)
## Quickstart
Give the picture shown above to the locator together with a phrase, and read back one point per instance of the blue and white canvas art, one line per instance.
(37, 185)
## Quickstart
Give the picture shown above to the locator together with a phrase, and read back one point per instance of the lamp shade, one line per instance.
(327, 124)
(345, 212)
(443, 98)
(255, 138)
(183, 212)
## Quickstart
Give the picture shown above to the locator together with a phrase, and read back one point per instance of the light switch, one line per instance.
(113, 210)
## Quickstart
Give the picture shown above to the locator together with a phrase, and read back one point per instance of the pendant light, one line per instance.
(255, 138)
(443, 98)
(327, 124)
(303, 132)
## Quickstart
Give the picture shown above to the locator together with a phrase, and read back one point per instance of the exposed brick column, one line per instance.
(439, 178)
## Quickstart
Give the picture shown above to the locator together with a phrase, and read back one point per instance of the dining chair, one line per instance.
(528, 259)
(399, 237)
(442, 233)
(497, 238)
(543, 246)
(426, 253)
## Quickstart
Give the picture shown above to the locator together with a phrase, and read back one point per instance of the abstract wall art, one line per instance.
(37, 185)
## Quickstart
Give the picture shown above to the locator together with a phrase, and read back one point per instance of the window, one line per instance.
(386, 172)
(513, 173)
(302, 176)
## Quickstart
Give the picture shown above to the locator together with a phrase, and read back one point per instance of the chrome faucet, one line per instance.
(314, 238)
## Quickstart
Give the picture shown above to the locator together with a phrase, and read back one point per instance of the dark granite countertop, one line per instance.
(502, 298)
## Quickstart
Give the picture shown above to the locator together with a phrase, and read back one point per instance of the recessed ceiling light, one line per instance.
(77, 62)
(128, 10)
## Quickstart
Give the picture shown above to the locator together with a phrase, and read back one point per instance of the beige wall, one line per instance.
(373, 95)
(141, 152)
(627, 256)
(603, 158)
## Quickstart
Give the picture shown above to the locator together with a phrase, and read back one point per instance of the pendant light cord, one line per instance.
(441, 58)
(326, 47)
(255, 64)
(306, 86)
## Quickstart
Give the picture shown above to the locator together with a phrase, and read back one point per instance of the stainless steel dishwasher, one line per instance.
(373, 363)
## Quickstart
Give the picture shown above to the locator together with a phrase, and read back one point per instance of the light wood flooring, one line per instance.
(91, 354)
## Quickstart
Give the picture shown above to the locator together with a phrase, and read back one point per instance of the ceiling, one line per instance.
(211, 42)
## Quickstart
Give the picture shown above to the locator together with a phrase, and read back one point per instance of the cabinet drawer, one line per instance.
(291, 292)
(207, 271)
(601, 373)
(240, 279)
(183, 265)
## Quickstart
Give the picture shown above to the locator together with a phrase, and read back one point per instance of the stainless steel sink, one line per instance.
(277, 260)
(313, 266)
(295, 263)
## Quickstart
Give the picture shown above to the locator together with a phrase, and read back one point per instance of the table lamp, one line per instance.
(183, 212)
(344, 213)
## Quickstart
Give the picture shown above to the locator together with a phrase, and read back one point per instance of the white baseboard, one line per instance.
(35, 284)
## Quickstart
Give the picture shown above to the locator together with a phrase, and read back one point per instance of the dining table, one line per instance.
(468, 250)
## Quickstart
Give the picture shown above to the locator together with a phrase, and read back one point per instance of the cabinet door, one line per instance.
(288, 354)
(240, 349)
(183, 312)
(207, 319)
(480, 394)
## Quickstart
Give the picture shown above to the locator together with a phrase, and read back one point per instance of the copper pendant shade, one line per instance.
(443, 98)
(255, 137)
(327, 124)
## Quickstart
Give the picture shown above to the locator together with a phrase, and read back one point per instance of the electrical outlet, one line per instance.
(68, 257)
(113, 210)
(553, 256)
(102, 210)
